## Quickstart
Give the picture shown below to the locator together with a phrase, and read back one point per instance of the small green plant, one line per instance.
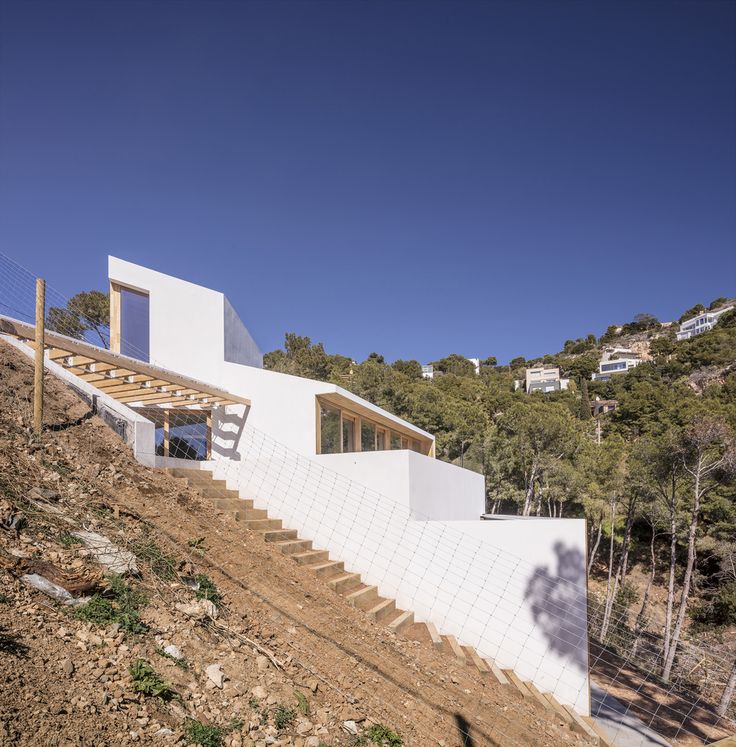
(196, 542)
(302, 703)
(204, 735)
(122, 607)
(284, 717)
(253, 703)
(162, 565)
(383, 736)
(264, 716)
(181, 663)
(4, 599)
(146, 681)
(206, 589)
(69, 540)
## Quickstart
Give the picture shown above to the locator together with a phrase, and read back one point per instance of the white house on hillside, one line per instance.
(542, 379)
(184, 386)
(701, 323)
(611, 367)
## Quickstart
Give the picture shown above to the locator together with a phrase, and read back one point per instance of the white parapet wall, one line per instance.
(515, 590)
(430, 488)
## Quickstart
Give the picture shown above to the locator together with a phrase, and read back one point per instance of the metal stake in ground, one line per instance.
(40, 339)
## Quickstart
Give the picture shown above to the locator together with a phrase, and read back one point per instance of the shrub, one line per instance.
(206, 589)
(146, 681)
(122, 607)
(204, 735)
(383, 736)
(283, 717)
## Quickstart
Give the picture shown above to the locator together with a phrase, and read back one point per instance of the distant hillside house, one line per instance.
(701, 323)
(603, 406)
(608, 368)
(542, 379)
(428, 372)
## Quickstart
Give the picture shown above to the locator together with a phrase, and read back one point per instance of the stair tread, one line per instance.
(402, 620)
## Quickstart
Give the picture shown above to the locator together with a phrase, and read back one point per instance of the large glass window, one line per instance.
(348, 434)
(395, 440)
(367, 436)
(329, 430)
(134, 324)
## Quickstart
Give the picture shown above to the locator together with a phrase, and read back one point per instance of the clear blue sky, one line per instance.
(413, 178)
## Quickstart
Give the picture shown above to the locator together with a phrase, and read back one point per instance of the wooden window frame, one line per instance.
(383, 425)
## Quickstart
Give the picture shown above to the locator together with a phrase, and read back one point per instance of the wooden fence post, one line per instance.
(40, 339)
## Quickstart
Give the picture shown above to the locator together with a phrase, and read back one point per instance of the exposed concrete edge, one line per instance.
(138, 432)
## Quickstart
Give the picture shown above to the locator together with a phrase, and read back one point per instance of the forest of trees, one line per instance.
(654, 478)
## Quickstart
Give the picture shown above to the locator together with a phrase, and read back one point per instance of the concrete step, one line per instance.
(258, 525)
(517, 683)
(453, 647)
(230, 504)
(329, 569)
(582, 727)
(364, 598)
(558, 708)
(497, 673)
(311, 557)
(279, 535)
(201, 475)
(606, 740)
(538, 696)
(344, 582)
(434, 636)
(404, 620)
(382, 610)
(474, 659)
(292, 547)
(252, 513)
(214, 492)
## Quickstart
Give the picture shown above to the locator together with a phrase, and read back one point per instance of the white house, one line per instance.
(542, 379)
(611, 367)
(184, 385)
(701, 323)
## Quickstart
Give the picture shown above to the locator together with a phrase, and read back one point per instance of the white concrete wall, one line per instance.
(515, 590)
(187, 323)
(431, 489)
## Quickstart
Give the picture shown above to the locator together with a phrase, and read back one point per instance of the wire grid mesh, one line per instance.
(401, 552)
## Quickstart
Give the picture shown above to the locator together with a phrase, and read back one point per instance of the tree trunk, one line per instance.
(594, 550)
(530, 491)
(671, 578)
(609, 603)
(687, 580)
(728, 691)
(642, 615)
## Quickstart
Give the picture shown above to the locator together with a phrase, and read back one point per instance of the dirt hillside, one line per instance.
(214, 637)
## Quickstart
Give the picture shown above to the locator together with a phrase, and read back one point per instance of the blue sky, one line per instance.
(413, 178)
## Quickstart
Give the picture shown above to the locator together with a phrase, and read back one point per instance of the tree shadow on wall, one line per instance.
(558, 605)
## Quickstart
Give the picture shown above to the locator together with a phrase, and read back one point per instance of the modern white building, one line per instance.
(701, 323)
(184, 381)
(543, 379)
(614, 366)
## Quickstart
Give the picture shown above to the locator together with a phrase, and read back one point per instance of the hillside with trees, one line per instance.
(654, 478)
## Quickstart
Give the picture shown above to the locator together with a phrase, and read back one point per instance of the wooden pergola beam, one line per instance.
(75, 355)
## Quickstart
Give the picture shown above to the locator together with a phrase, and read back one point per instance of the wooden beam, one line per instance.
(167, 427)
(38, 360)
(84, 349)
(114, 317)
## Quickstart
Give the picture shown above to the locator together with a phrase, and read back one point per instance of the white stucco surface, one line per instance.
(430, 488)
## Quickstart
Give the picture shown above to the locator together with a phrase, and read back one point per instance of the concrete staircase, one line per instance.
(366, 597)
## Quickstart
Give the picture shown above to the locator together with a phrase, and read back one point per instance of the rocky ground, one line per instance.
(208, 635)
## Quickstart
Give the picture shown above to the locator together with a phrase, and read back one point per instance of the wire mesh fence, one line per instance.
(534, 620)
